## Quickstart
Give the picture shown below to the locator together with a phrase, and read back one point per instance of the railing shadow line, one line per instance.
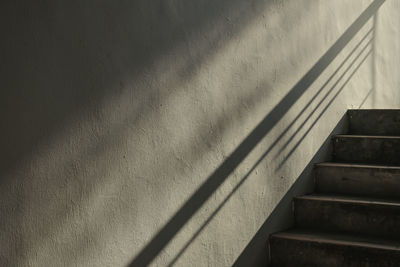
(281, 218)
(323, 111)
(261, 158)
(190, 207)
(290, 139)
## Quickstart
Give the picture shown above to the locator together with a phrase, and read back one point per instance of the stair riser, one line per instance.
(371, 219)
(287, 252)
(371, 182)
(374, 122)
(367, 150)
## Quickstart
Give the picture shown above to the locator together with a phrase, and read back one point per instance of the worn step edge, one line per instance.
(367, 149)
(373, 109)
(350, 200)
(339, 239)
(349, 179)
(353, 165)
(366, 136)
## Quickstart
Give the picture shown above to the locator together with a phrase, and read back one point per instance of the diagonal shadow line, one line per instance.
(180, 218)
(373, 62)
(256, 251)
(220, 206)
(323, 111)
(285, 145)
(367, 95)
(320, 90)
(261, 158)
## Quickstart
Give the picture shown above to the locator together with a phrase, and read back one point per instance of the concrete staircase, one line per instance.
(353, 218)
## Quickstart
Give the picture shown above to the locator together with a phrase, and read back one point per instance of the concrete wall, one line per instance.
(165, 132)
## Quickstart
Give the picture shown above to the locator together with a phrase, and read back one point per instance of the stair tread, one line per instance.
(357, 165)
(374, 109)
(339, 239)
(366, 136)
(350, 199)
(353, 215)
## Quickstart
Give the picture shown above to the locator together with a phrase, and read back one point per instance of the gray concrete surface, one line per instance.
(357, 180)
(165, 132)
(374, 121)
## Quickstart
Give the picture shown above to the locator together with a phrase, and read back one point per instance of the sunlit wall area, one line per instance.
(166, 132)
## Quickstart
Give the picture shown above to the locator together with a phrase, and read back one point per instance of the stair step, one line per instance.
(374, 121)
(354, 217)
(311, 248)
(374, 217)
(357, 180)
(367, 149)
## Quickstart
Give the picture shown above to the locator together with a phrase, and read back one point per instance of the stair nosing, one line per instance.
(356, 165)
(366, 136)
(327, 239)
(373, 109)
(350, 200)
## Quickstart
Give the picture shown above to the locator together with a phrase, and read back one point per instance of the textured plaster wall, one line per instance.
(119, 120)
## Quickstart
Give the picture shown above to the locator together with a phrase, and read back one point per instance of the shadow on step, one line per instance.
(256, 252)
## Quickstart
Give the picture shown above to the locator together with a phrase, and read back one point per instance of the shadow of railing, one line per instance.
(371, 52)
(373, 63)
(270, 148)
(326, 107)
(194, 203)
(256, 252)
(320, 90)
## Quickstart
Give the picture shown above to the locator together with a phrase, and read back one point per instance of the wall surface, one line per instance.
(166, 132)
